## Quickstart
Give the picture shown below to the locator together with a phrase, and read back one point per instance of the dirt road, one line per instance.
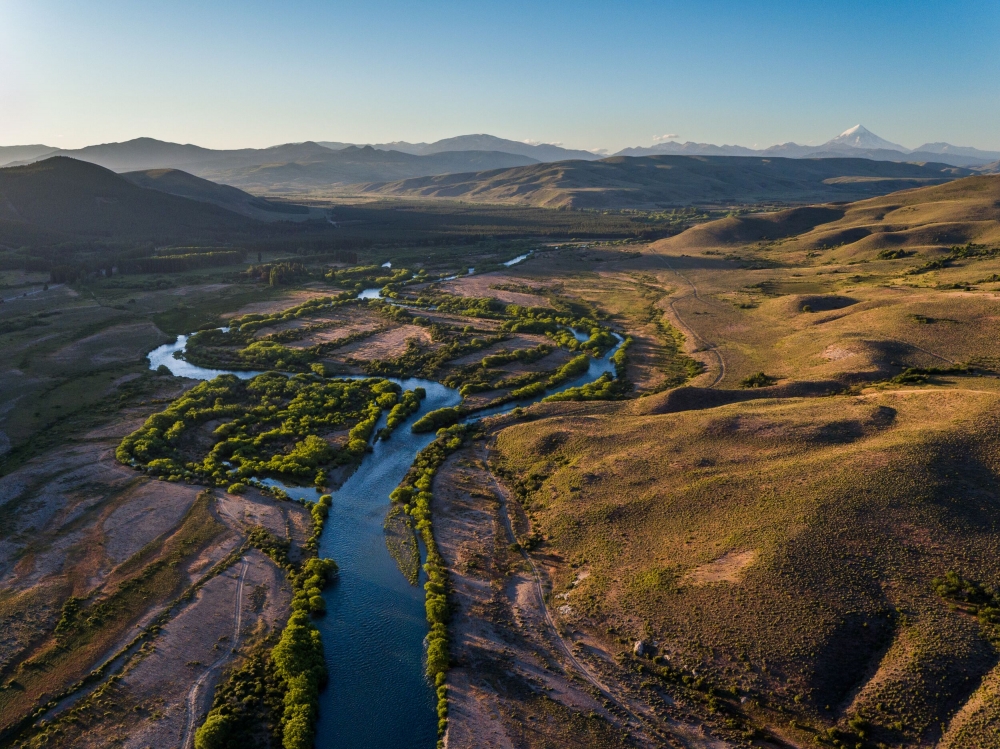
(191, 700)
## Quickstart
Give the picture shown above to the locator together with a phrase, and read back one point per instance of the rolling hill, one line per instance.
(62, 197)
(930, 218)
(665, 181)
(798, 550)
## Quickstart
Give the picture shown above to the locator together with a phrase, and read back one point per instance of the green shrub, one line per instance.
(528, 391)
(757, 380)
(214, 733)
(434, 420)
(573, 368)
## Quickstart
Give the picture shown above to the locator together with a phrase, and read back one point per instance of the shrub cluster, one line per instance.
(757, 380)
(408, 405)
(433, 420)
(276, 274)
(270, 425)
(523, 355)
(319, 510)
(974, 597)
(604, 387)
(248, 703)
(916, 375)
(372, 276)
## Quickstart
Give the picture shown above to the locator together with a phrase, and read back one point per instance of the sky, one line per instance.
(592, 75)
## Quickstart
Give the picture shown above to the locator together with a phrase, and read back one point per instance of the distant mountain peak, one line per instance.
(859, 130)
(861, 137)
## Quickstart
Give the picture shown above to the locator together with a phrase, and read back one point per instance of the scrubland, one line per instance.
(771, 532)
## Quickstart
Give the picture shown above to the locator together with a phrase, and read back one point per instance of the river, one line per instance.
(373, 633)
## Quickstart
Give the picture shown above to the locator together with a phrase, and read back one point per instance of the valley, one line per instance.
(696, 480)
(497, 376)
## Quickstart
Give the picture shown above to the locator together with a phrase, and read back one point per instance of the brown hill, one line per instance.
(665, 181)
(75, 198)
(966, 210)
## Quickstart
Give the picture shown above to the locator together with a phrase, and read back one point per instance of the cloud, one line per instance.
(541, 142)
(599, 151)
(668, 136)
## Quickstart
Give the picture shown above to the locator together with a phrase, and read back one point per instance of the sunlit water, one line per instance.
(518, 259)
(373, 634)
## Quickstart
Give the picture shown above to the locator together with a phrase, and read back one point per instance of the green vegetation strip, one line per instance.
(414, 496)
(277, 689)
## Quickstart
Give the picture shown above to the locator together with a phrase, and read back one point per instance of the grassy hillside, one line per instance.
(663, 181)
(931, 218)
(785, 550)
(779, 532)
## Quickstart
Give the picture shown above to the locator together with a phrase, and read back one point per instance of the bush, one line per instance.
(434, 420)
(757, 380)
(604, 387)
(214, 732)
(573, 368)
(528, 391)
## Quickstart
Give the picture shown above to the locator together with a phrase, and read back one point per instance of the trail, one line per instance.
(191, 701)
(566, 649)
(706, 346)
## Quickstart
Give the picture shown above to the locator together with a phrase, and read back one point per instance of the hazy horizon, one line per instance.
(586, 76)
(655, 140)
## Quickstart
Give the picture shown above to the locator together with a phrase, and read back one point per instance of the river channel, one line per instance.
(374, 630)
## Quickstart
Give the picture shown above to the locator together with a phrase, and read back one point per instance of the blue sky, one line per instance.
(584, 74)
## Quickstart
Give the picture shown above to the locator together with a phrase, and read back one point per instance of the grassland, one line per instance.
(775, 548)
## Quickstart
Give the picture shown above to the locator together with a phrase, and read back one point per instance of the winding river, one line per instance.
(373, 633)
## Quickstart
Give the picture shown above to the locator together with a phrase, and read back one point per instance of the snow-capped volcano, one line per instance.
(861, 137)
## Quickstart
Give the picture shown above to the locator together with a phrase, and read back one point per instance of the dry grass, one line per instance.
(849, 505)
(386, 345)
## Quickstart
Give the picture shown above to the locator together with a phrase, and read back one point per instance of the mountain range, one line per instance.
(856, 142)
(311, 166)
(288, 167)
(481, 142)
